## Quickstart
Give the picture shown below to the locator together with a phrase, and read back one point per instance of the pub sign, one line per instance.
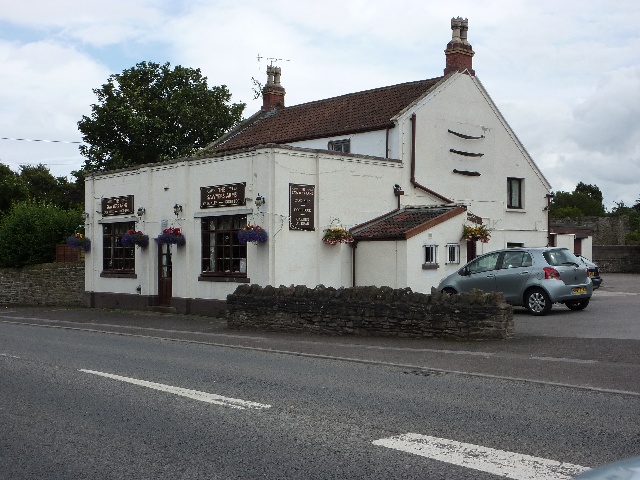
(229, 195)
(117, 205)
(301, 207)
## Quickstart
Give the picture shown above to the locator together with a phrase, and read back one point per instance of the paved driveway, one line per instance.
(612, 313)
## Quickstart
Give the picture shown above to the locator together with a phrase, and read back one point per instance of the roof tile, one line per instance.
(355, 112)
(404, 223)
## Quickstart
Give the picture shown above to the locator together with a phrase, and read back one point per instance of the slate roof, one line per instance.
(352, 113)
(405, 222)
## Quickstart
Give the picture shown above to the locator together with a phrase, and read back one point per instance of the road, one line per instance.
(102, 394)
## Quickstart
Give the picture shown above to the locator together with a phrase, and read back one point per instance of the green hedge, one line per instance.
(30, 231)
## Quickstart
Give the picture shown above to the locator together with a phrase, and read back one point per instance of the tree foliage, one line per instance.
(12, 189)
(43, 187)
(37, 184)
(585, 200)
(30, 231)
(150, 112)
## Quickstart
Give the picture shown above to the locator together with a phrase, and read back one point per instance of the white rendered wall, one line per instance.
(366, 143)
(461, 105)
(381, 263)
(348, 191)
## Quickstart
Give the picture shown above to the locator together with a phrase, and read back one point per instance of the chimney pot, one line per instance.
(459, 53)
(273, 93)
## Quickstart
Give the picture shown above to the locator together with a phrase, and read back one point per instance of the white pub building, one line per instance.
(368, 188)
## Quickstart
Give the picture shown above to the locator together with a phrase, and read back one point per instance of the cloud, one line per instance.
(564, 74)
(45, 92)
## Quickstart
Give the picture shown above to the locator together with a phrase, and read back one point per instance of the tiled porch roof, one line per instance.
(405, 222)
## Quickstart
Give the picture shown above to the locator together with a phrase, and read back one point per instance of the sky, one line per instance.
(565, 74)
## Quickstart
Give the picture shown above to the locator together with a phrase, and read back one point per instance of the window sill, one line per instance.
(515, 210)
(222, 278)
(118, 275)
(430, 266)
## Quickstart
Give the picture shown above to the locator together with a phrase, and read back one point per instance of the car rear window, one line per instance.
(560, 257)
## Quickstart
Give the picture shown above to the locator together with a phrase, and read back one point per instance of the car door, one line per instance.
(482, 273)
(511, 278)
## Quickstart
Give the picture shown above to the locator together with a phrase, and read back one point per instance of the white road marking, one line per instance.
(7, 355)
(498, 462)
(195, 394)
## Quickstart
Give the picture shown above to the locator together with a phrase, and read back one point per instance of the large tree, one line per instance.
(151, 113)
(585, 200)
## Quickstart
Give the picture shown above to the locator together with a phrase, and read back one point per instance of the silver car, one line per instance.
(535, 278)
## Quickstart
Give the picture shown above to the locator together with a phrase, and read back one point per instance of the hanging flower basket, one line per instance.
(335, 235)
(79, 240)
(252, 233)
(171, 236)
(135, 238)
(473, 234)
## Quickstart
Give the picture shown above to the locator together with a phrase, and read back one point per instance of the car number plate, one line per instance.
(578, 290)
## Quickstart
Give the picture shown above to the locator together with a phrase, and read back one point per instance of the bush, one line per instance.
(30, 231)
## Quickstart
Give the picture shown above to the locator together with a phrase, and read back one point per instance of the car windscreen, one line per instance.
(560, 257)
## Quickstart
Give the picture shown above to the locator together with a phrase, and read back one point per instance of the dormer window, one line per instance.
(343, 146)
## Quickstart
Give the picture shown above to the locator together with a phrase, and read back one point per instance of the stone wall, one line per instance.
(606, 230)
(370, 311)
(617, 258)
(53, 284)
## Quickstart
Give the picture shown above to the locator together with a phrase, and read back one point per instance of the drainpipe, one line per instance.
(354, 245)
(413, 165)
(548, 209)
(386, 147)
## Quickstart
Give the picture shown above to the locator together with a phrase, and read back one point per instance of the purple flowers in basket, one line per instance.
(79, 240)
(133, 238)
(171, 236)
(252, 233)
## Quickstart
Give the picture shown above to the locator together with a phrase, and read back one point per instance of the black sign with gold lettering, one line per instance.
(117, 205)
(301, 207)
(229, 195)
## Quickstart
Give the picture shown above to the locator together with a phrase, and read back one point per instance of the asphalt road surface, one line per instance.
(105, 394)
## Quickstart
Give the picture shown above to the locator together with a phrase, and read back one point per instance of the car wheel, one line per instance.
(537, 302)
(577, 304)
(449, 290)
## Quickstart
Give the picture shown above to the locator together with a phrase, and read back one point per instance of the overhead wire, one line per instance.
(39, 140)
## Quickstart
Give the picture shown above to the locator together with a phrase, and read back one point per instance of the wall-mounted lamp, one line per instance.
(140, 211)
(177, 209)
(85, 215)
(260, 200)
(397, 190)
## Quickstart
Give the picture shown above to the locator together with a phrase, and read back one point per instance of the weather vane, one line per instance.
(272, 59)
(257, 85)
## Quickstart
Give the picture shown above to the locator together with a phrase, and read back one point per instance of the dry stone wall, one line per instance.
(50, 284)
(370, 311)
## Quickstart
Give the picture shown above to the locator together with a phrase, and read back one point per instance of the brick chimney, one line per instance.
(273, 93)
(459, 53)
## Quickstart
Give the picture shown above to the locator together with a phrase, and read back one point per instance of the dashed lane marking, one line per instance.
(498, 462)
(194, 394)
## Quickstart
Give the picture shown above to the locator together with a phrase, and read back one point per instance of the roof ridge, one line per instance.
(368, 91)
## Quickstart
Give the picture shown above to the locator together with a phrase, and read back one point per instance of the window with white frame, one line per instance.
(453, 253)
(514, 192)
(430, 256)
(343, 146)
